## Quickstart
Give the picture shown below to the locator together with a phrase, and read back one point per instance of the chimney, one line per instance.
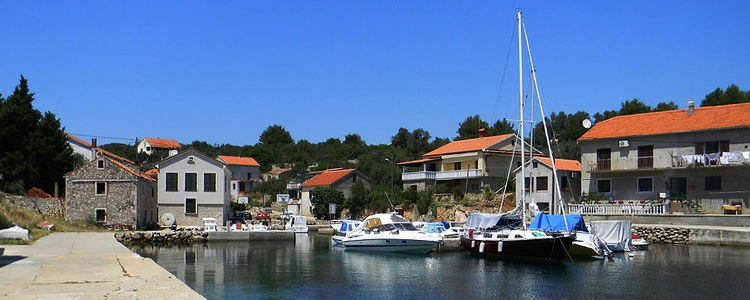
(93, 143)
(482, 132)
(691, 107)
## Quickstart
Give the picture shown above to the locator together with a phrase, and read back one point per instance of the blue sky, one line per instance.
(223, 71)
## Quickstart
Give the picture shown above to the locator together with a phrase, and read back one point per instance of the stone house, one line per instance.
(108, 192)
(89, 150)
(471, 164)
(699, 154)
(245, 174)
(275, 174)
(340, 179)
(193, 186)
(149, 145)
(541, 190)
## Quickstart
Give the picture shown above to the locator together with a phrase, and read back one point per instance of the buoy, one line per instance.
(481, 247)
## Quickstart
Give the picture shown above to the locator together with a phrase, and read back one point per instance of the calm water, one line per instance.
(309, 268)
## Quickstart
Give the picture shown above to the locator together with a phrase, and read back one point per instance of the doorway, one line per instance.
(677, 187)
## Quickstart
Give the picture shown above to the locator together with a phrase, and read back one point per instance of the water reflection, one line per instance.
(310, 268)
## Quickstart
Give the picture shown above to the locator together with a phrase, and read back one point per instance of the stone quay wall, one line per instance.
(667, 235)
(161, 237)
(48, 207)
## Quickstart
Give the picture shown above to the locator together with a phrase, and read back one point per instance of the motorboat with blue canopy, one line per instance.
(345, 227)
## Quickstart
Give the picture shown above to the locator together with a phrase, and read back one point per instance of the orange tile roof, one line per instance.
(110, 154)
(163, 143)
(672, 121)
(277, 171)
(152, 171)
(129, 170)
(239, 160)
(417, 161)
(475, 144)
(562, 164)
(327, 177)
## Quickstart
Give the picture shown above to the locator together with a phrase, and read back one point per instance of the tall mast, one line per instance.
(521, 127)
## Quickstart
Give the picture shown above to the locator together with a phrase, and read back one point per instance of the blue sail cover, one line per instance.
(557, 223)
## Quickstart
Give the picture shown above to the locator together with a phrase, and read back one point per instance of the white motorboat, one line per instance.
(344, 227)
(298, 224)
(390, 233)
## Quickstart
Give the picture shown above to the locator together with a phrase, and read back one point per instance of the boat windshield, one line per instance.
(398, 219)
(405, 226)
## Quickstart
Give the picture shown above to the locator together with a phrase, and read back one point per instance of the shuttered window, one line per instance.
(191, 182)
(171, 182)
(209, 182)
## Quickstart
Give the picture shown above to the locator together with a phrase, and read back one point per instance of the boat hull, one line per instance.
(545, 248)
(391, 245)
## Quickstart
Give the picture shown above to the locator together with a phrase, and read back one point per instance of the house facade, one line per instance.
(110, 193)
(698, 154)
(245, 174)
(275, 174)
(89, 150)
(340, 179)
(471, 164)
(193, 186)
(150, 145)
(540, 183)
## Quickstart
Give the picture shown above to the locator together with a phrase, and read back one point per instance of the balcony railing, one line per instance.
(619, 209)
(622, 163)
(293, 186)
(442, 175)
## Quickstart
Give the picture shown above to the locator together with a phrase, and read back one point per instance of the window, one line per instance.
(242, 186)
(646, 157)
(413, 187)
(541, 183)
(249, 175)
(100, 164)
(603, 186)
(713, 183)
(457, 166)
(171, 182)
(234, 186)
(209, 182)
(354, 178)
(645, 184)
(476, 164)
(603, 159)
(191, 182)
(101, 215)
(527, 183)
(148, 148)
(564, 183)
(191, 207)
(101, 188)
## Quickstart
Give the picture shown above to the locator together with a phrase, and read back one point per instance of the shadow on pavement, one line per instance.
(9, 259)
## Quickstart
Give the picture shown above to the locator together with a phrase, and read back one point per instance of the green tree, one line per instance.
(565, 129)
(276, 134)
(51, 152)
(357, 203)
(732, 95)
(501, 127)
(322, 196)
(664, 106)
(469, 128)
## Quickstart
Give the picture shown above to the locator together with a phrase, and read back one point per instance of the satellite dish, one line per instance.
(586, 123)
(167, 219)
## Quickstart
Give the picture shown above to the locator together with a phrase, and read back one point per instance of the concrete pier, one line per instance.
(272, 235)
(84, 266)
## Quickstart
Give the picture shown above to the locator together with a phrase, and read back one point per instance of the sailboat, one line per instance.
(521, 241)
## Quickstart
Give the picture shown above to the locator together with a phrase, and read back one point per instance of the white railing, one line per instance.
(293, 186)
(619, 209)
(442, 175)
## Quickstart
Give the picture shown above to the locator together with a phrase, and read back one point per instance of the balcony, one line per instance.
(293, 186)
(623, 163)
(442, 175)
(619, 209)
(718, 159)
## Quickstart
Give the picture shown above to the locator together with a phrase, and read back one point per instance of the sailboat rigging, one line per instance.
(522, 242)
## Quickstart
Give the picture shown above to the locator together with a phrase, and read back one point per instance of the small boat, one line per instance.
(638, 243)
(344, 227)
(585, 243)
(616, 233)
(298, 224)
(390, 233)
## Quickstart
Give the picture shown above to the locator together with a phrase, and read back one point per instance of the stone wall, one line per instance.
(668, 235)
(48, 207)
(183, 219)
(161, 237)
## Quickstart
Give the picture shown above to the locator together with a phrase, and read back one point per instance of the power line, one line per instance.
(103, 137)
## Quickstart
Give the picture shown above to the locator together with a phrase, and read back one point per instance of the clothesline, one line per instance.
(724, 158)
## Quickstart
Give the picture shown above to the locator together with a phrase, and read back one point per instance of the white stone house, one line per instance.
(541, 189)
(245, 174)
(108, 192)
(89, 150)
(699, 154)
(193, 186)
(471, 164)
(149, 145)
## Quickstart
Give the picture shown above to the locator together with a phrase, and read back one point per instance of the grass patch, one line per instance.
(28, 219)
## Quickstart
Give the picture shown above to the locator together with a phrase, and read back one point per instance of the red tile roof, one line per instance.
(562, 164)
(327, 177)
(277, 171)
(163, 143)
(418, 161)
(239, 160)
(672, 121)
(129, 170)
(110, 154)
(475, 144)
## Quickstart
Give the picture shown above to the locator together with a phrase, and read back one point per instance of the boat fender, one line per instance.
(500, 246)
(481, 247)
(472, 244)
(471, 233)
